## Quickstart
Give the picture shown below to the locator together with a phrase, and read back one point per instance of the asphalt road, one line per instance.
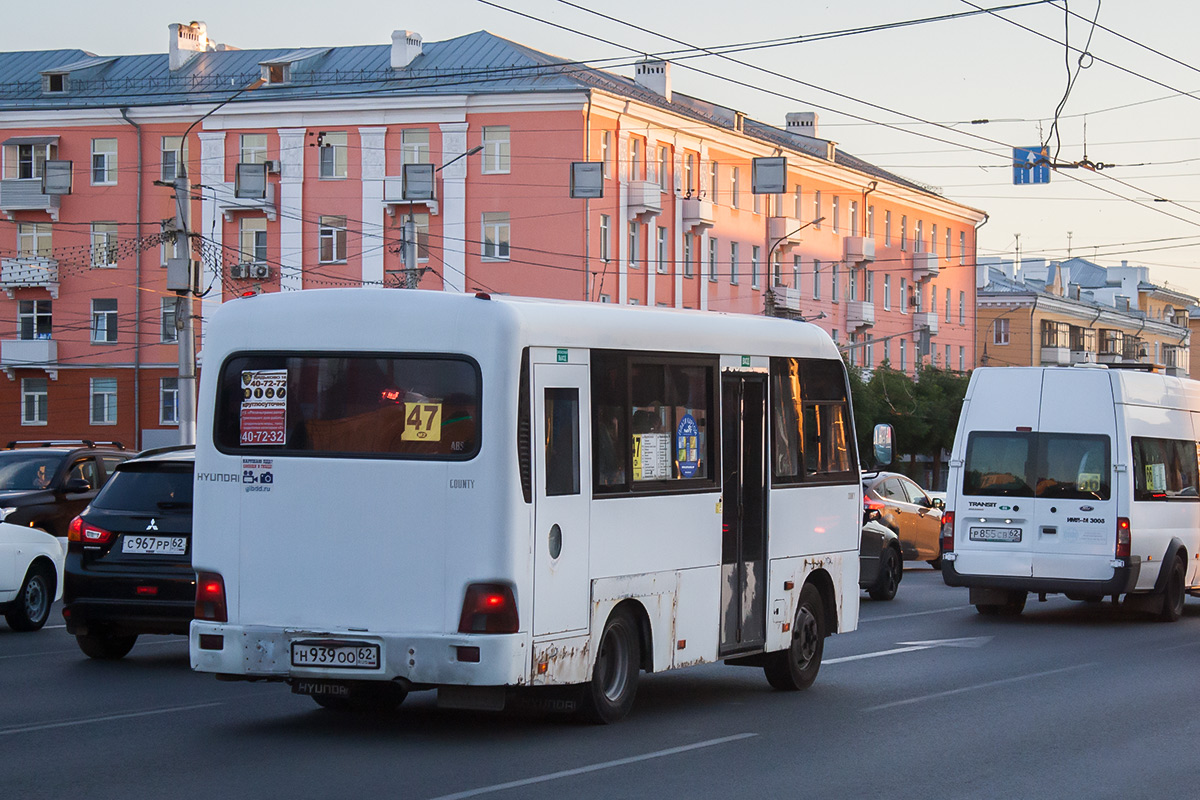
(927, 699)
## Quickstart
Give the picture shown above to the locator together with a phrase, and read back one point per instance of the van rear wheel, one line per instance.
(1173, 593)
(609, 695)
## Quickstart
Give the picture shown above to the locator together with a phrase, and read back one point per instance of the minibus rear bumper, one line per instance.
(264, 652)
(1123, 580)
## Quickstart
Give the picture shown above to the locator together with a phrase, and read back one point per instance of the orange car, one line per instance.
(908, 510)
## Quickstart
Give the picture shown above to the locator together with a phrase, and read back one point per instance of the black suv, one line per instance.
(44, 484)
(129, 556)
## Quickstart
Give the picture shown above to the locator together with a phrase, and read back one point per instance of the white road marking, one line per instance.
(976, 687)
(107, 718)
(499, 787)
(181, 640)
(52, 627)
(914, 614)
(912, 647)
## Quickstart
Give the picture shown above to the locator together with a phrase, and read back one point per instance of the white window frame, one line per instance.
(733, 263)
(104, 320)
(1000, 332)
(947, 305)
(833, 293)
(688, 255)
(635, 245)
(170, 146)
(816, 209)
(714, 273)
(714, 182)
(663, 251)
(605, 238)
(35, 239)
(799, 201)
(497, 236)
(606, 154)
(333, 156)
(104, 245)
(887, 228)
(104, 390)
(962, 247)
(104, 162)
(755, 257)
(903, 355)
(168, 401)
(414, 146)
(962, 358)
(903, 295)
(250, 151)
(816, 279)
(331, 239)
(168, 333)
(836, 207)
(735, 188)
(664, 168)
(797, 268)
(35, 398)
(252, 240)
(887, 292)
(962, 308)
(904, 231)
(636, 170)
(39, 311)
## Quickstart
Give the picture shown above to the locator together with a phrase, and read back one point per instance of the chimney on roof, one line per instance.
(185, 42)
(803, 123)
(655, 76)
(406, 45)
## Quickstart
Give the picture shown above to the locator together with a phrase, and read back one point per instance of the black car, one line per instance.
(44, 484)
(880, 565)
(129, 556)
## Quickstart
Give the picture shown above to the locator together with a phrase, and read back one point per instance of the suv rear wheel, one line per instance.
(105, 646)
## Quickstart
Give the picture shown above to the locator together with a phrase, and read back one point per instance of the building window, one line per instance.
(816, 279)
(796, 269)
(837, 213)
(34, 320)
(932, 299)
(714, 175)
(664, 168)
(869, 352)
(852, 284)
(919, 237)
(635, 245)
(605, 234)
(104, 244)
(887, 228)
(104, 321)
(1000, 332)
(171, 145)
(947, 305)
(962, 247)
(816, 209)
(253, 239)
(962, 308)
(712, 260)
(733, 263)
(735, 188)
(35, 401)
(663, 255)
(916, 296)
(887, 292)
(104, 162)
(606, 152)
(947, 244)
(104, 401)
(34, 239)
(169, 332)
(962, 358)
(933, 242)
(496, 234)
(903, 355)
(854, 218)
(868, 286)
(871, 221)
(887, 351)
(833, 291)
(635, 159)
(689, 174)
(903, 231)
(414, 146)
(253, 147)
(331, 237)
(168, 401)
(757, 201)
(946, 363)
(334, 155)
(27, 161)
(903, 296)
(687, 255)
(755, 251)
(799, 198)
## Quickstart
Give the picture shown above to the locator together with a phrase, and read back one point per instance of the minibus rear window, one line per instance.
(343, 404)
(999, 464)
(1062, 466)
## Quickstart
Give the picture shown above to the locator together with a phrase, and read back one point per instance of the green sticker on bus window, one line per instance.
(562, 355)
(745, 361)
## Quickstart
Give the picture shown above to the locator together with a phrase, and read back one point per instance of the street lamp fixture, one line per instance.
(769, 295)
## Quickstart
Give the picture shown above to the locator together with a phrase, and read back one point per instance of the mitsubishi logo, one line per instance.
(151, 526)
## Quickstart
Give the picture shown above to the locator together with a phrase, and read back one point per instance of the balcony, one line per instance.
(1056, 356)
(25, 194)
(858, 249)
(645, 198)
(24, 353)
(783, 232)
(860, 314)
(926, 319)
(228, 202)
(698, 214)
(26, 272)
(924, 265)
(393, 197)
(787, 297)
(1083, 357)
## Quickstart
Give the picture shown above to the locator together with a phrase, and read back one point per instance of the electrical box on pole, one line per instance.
(408, 254)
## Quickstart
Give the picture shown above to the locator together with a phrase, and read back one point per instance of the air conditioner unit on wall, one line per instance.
(273, 166)
(260, 271)
(239, 271)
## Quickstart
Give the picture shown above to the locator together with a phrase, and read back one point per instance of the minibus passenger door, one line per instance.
(563, 490)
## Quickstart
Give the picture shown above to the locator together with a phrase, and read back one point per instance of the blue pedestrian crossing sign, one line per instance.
(1031, 165)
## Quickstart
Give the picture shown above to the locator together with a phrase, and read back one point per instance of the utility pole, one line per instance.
(408, 254)
(185, 320)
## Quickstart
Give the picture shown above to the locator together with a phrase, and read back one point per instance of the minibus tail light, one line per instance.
(210, 597)
(1123, 548)
(489, 608)
(947, 531)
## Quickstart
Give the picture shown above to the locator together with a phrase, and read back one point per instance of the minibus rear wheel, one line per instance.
(608, 696)
(1173, 593)
(796, 667)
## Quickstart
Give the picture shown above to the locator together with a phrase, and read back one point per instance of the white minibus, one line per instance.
(402, 490)
(1075, 480)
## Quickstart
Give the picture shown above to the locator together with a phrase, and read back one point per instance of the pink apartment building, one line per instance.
(90, 346)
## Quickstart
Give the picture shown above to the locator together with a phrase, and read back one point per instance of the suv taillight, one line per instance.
(210, 597)
(947, 531)
(488, 608)
(80, 531)
(1123, 537)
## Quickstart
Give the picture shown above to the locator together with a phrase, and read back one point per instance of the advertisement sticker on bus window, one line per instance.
(1156, 477)
(1087, 482)
(422, 422)
(687, 446)
(264, 406)
(651, 456)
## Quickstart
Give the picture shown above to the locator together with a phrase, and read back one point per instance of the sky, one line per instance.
(906, 97)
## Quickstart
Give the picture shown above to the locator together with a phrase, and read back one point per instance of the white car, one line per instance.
(31, 575)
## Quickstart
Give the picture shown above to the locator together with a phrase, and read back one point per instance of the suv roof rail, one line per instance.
(171, 448)
(13, 445)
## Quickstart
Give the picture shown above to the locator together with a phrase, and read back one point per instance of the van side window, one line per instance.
(810, 422)
(562, 442)
(650, 421)
(1164, 469)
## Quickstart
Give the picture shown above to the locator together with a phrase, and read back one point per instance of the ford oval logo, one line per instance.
(1085, 508)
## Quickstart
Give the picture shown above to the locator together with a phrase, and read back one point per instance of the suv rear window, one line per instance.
(147, 487)
(349, 404)
(1068, 466)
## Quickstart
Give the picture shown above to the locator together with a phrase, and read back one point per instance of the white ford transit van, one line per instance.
(1077, 480)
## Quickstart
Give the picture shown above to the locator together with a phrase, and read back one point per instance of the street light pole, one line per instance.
(769, 296)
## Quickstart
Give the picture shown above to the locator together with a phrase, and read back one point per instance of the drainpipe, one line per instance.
(975, 280)
(1034, 342)
(137, 294)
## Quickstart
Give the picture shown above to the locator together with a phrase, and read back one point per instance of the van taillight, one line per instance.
(1123, 537)
(947, 531)
(210, 597)
(80, 531)
(488, 608)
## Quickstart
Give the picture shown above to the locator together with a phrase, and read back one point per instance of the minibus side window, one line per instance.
(562, 442)
(1073, 467)
(998, 464)
(1164, 469)
(810, 422)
